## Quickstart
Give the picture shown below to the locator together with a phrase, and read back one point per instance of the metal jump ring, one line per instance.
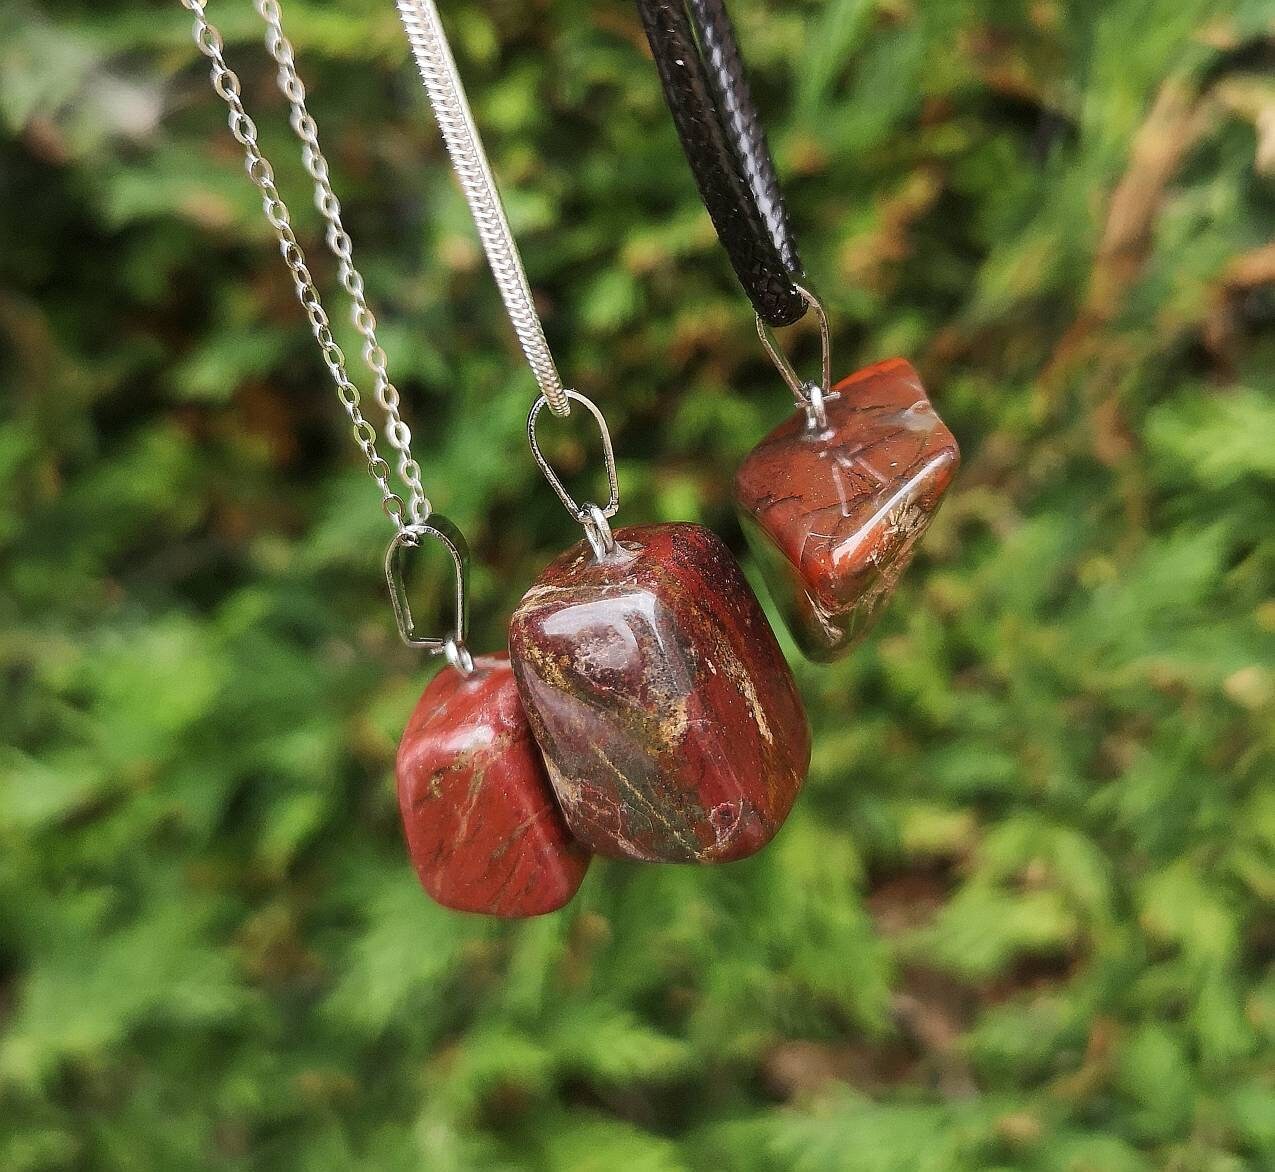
(802, 388)
(458, 655)
(585, 514)
(440, 529)
(598, 531)
(816, 411)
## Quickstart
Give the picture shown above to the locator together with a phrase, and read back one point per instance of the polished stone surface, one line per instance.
(482, 826)
(668, 718)
(834, 514)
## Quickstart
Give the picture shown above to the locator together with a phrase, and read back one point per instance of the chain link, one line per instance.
(226, 83)
(397, 433)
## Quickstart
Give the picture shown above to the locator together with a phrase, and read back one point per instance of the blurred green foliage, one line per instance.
(1021, 917)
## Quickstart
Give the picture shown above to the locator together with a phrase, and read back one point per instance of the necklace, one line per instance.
(834, 500)
(668, 719)
(482, 827)
(645, 709)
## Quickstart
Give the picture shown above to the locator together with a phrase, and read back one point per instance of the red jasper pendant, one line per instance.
(834, 512)
(483, 830)
(669, 720)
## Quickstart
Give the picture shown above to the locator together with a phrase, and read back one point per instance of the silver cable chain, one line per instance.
(226, 83)
(446, 93)
(397, 433)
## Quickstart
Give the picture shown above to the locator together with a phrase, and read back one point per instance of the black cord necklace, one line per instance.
(836, 497)
(707, 93)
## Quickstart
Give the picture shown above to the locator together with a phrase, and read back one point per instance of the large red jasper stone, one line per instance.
(834, 513)
(668, 718)
(483, 830)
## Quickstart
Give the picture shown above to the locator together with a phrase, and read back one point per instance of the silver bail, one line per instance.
(593, 518)
(810, 396)
(437, 528)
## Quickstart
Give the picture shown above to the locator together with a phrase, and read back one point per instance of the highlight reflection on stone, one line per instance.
(668, 718)
(482, 826)
(834, 514)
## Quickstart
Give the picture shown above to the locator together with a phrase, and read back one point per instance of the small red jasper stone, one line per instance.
(668, 718)
(483, 830)
(834, 513)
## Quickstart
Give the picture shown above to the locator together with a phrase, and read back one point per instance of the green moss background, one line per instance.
(1021, 918)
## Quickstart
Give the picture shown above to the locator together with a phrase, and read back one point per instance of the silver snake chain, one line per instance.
(446, 93)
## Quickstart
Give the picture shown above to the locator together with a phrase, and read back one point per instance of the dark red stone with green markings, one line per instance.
(483, 829)
(834, 513)
(668, 718)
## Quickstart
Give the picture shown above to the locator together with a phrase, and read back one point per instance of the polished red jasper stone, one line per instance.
(668, 718)
(483, 829)
(834, 513)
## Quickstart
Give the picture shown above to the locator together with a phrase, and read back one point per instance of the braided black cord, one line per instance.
(743, 124)
(707, 94)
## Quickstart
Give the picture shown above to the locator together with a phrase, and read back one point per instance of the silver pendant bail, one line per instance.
(810, 396)
(593, 518)
(438, 528)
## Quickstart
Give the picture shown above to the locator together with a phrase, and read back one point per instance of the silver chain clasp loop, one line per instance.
(592, 516)
(437, 528)
(810, 396)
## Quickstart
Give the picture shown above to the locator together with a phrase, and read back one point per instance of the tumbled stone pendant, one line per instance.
(833, 512)
(482, 826)
(669, 720)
